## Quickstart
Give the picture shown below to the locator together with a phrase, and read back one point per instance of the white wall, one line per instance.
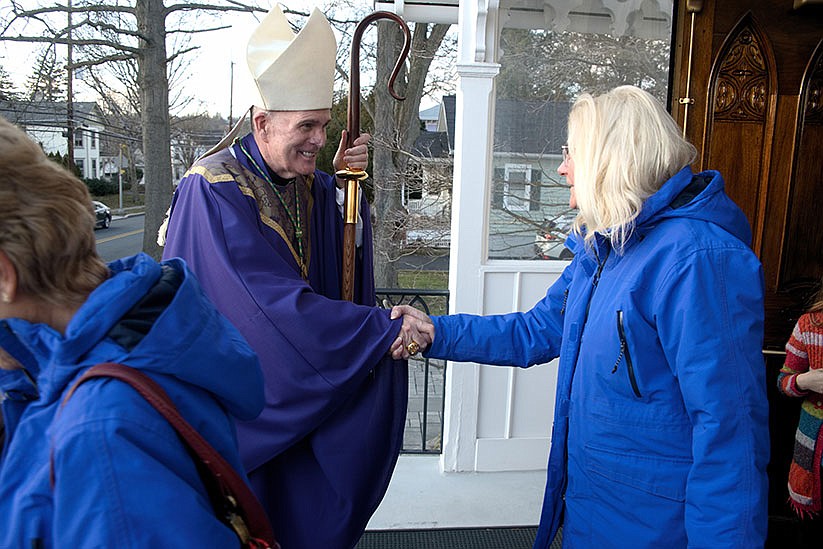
(90, 155)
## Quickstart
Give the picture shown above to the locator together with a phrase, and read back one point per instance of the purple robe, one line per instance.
(321, 454)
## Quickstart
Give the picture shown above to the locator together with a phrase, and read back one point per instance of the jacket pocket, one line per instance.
(660, 476)
(625, 355)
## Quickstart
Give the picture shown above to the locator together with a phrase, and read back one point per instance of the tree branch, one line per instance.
(100, 60)
(57, 8)
(177, 54)
(74, 42)
(195, 31)
(236, 6)
(107, 27)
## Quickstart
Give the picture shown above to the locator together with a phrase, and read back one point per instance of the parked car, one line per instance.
(103, 213)
(549, 242)
(430, 238)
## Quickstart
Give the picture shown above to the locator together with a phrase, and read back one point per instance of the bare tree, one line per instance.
(130, 38)
(193, 135)
(115, 85)
(558, 66)
(119, 31)
(397, 126)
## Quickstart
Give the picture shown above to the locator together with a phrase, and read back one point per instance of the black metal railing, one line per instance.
(426, 376)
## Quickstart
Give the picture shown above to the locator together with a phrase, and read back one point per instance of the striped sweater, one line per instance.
(804, 351)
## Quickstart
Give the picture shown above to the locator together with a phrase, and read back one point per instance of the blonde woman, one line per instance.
(120, 475)
(660, 434)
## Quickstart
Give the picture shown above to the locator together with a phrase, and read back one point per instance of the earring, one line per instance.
(6, 298)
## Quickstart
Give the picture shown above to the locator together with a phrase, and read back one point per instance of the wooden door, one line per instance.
(748, 84)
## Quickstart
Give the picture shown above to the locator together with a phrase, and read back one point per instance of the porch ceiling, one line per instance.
(422, 11)
(621, 17)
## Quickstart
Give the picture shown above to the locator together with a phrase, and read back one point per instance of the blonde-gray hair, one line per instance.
(624, 146)
(46, 223)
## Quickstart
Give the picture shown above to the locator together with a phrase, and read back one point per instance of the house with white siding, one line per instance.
(46, 123)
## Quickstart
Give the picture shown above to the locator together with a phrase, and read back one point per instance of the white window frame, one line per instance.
(514, 202)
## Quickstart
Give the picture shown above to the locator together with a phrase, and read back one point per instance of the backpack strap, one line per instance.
(234, 502)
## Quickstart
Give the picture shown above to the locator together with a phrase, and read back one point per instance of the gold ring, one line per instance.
(413, 347)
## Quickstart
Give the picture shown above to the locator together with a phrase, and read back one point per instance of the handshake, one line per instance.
(416, 334)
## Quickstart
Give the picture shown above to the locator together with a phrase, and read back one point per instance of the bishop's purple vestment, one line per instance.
(320, 455)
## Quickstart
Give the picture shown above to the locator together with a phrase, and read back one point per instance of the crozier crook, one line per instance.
(353, 176)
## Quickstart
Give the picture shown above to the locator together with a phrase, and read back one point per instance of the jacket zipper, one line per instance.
(565, 300)
(595, 281)
(624, 351)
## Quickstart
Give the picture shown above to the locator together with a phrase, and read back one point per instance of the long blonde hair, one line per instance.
(624, 146)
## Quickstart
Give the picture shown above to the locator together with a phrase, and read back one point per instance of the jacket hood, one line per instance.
(696, 196)
(153, 317)
(686, 195)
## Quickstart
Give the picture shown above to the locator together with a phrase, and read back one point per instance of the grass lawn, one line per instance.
(423, 280)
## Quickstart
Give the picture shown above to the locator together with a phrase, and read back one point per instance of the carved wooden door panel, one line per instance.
(748, 86)
(755, 83)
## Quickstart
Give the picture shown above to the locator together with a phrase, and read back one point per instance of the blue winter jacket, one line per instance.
(122, 476)
(660, 435)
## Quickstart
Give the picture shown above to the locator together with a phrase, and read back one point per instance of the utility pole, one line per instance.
(70, 95)
(231, 94)
(120, 175)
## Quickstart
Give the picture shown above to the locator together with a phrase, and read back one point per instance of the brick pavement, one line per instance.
(416, 416)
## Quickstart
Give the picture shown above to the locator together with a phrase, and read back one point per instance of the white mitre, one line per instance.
(291, 72)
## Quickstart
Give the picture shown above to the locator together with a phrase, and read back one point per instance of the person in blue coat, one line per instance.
(121, 477)
(660, 435)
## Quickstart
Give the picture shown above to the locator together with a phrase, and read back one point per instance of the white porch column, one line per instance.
(472, 166)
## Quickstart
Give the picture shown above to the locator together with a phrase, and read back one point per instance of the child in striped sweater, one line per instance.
(802, 377)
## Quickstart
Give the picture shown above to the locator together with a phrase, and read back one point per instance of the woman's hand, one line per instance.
(810, 381)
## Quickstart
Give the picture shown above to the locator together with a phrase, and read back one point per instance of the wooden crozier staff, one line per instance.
(354, 176)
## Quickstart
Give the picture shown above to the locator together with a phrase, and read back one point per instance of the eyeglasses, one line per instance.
(565, 150)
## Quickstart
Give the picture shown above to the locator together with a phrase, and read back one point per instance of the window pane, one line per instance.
(516, 190)
(550, 51)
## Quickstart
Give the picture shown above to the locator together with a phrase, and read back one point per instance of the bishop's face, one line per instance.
(290, 140)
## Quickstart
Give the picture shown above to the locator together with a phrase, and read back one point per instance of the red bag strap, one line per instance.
(222, 481)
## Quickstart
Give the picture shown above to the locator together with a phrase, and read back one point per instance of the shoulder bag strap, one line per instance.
(228, 490)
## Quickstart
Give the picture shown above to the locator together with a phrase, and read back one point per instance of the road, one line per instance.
(125, 238)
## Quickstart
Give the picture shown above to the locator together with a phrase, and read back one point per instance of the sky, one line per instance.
(209, 77)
